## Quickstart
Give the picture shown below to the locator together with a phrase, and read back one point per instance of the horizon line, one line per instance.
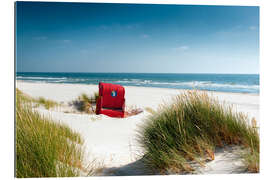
(136, 72)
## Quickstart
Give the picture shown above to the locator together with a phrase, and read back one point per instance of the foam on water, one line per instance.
(211, 82)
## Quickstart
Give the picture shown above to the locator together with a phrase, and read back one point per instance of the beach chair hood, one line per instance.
(111, 101)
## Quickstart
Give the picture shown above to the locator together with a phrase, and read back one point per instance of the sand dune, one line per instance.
(113, 140)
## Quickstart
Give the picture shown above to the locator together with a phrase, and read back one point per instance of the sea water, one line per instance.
(241, 83)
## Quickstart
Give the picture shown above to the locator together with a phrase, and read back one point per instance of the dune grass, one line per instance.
(85, 103)
(189, 130)
(22, 97)
(47, 103)
(150, 110)
(45, 148)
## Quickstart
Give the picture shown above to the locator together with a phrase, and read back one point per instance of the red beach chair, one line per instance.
(111, 101)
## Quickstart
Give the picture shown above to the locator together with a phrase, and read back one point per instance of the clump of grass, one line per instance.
(37, 101)
(189, 129)
(24, 97)
(95, 96)
(85, 103)
(45, 148)
(252, 160)
(48, 104)
(150, 110)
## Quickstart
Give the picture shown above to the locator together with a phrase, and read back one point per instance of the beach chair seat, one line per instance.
(111, 100)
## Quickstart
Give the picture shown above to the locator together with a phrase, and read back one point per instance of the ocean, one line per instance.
(240, 83)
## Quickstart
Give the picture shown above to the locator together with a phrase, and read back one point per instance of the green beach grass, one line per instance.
(45, 148)
(84, 102)
(189, 130)
(47, 103)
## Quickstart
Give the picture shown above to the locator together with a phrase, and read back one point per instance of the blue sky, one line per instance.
(91, 37)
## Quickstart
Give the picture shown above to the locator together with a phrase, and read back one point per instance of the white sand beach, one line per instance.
(112, 141)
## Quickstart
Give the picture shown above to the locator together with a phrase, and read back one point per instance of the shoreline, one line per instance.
(140, 97)
(208, 91)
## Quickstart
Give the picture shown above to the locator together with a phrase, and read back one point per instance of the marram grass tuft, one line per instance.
(45, 148)
(189, 129)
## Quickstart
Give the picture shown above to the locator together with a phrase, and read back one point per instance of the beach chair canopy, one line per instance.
(111, 101)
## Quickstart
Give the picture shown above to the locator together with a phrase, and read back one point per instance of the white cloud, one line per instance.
(145, 36)
(117, 26)
(39, 38)
(132, 26)
(66, 41)
(84, 51)
(129, 27)
(252, 27)
(181, 48)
